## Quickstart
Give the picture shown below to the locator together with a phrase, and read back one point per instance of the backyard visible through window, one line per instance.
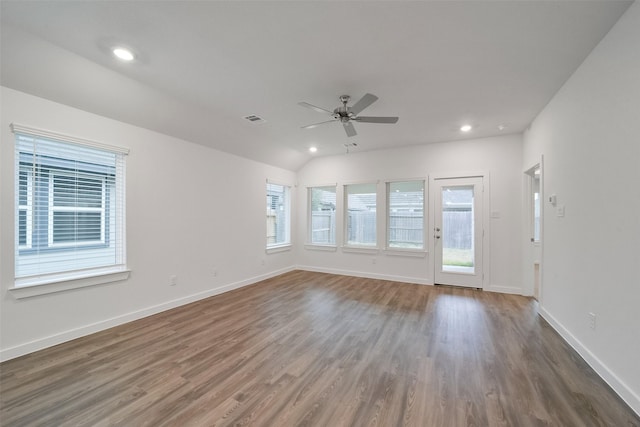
(278, 215)
(322, 222)
(405, 220)
(361, 215)
(457, 229)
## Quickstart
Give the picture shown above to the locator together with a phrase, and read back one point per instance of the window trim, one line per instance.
(286, 245)
(399, 251)
(362, 248)
(16, 128)
(321, 246)
(28, 286)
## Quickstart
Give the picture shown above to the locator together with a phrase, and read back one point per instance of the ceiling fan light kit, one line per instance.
(346, 115)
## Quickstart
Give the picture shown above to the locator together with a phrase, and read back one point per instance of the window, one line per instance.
(69, 208)
(360, 215)
(322, 215)
(405, 215)
(278, 215)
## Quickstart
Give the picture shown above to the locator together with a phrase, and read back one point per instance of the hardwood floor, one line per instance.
(312, 349)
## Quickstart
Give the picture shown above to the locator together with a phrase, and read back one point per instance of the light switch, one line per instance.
(560, 210)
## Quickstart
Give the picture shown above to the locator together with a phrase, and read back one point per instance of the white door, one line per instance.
(458, 233)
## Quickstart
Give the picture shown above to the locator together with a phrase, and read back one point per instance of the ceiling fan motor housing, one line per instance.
(343, 113)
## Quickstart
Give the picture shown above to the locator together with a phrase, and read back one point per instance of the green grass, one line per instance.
(457, 257)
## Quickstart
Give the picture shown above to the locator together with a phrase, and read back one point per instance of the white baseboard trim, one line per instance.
(504, 289)
(368, 275)
(630, 397)
(59, 338)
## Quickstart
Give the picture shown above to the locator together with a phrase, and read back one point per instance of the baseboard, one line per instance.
(30, 347)
(624, 391)
(504, 289)
(367, 275)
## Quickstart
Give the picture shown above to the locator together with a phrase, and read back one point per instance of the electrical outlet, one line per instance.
(173, 280)
(215, 272)
(262, 262)
(373, 261)
(592, 321)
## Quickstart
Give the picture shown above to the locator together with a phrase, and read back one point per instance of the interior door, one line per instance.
(458, 233)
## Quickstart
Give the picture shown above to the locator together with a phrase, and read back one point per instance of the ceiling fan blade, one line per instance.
(313, 107)
(363, 103)
(370, 119)
(349, 129)
(316, 124)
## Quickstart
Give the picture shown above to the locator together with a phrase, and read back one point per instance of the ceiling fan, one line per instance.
(346, 115)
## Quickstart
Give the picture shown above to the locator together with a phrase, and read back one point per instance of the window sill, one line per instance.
(360, 249)
(31, 287)
(279, 248)
(313, 247)
(417, 253)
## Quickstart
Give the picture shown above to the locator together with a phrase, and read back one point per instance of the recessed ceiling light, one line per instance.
(124, 54)
(501, 127)
(465, 128)
(313, 149)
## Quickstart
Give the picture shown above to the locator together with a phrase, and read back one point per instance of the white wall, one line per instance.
(178, 223)
(501, 157)
(590, 137)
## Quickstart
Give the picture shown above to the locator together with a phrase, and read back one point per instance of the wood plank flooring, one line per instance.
(312, 349)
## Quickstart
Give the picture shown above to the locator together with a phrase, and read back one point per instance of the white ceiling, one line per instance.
(201, 66)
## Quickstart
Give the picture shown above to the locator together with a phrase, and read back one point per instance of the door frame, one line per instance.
(527, 212)
(486, 221)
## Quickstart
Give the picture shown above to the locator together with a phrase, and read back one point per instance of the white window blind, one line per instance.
(360, 218)
(69, 207)
(322, 215)
(405, 214)
(278, 215)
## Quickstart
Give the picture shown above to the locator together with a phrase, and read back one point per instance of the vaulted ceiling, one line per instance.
(201, 66)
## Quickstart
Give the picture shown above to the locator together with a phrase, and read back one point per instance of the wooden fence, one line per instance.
(405, 228)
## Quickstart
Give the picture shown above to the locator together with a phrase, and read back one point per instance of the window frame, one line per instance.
(286, 244)
(400, 250)
(360, 247)
(310, 230)
(39, 283)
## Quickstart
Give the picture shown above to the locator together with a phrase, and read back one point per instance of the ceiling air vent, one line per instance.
(256, 120)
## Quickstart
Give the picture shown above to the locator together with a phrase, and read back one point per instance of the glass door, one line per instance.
(458, 232)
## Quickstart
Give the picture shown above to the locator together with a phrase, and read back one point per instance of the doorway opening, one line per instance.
(533, 211)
